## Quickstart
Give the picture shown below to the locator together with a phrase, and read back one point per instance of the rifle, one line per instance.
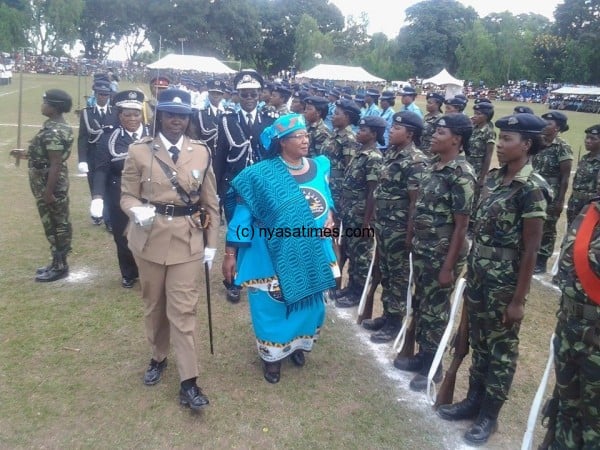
(365, 307)
(549, 412)
(460, 349)
(405, 341)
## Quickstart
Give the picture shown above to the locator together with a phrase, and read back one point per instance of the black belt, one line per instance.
(174, 210)
(38, 165)
(495, 253)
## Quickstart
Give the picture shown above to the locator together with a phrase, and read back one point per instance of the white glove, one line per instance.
(209, 256)
(96, 207)
(82, 167)
(143, 215)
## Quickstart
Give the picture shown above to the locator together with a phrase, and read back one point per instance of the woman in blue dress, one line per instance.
(279, 244)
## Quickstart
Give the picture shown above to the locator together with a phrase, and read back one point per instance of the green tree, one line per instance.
(13, 25)
(313, 44)
(54, 24)
(476, 56)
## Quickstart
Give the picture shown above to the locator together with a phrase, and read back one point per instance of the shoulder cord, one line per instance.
(212, 133)
(111, 145)
(92, 131)
(245, 147)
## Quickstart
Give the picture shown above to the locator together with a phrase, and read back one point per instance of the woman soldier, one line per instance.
(434, 112)
(507, 235)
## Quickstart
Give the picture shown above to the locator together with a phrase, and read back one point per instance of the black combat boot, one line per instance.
(390, 329)
(351, 299)
(375, 324)
(409, 363)
(486, 423)
(419, 382)
(540, 264)
(467, 408)
(59, 269)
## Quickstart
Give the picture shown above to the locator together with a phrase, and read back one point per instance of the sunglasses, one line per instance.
(249, 94)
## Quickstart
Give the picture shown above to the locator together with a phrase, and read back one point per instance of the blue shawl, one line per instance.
(276, 202)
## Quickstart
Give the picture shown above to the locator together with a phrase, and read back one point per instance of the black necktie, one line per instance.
(102, 113)
(134, 136)
(250, 123)
(174, 153)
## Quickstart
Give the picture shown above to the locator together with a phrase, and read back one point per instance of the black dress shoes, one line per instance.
(298, 358)
(193, 398)
(127, 283)
(154, 371)
(272, 371)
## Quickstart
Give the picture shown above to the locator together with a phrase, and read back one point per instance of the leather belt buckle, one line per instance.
(169, 211)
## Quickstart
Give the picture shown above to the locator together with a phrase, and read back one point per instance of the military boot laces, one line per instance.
(465, 409)
(486, 423)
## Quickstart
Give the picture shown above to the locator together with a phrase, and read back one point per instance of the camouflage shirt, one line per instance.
(547, 162)
(445, 190)
(319, 135)
(586, 184)
(499, 217)
(568, 281)
(364, 167)
(478, 142)
(400, 173)
(341, 144)
(53, 137)
(428, 130)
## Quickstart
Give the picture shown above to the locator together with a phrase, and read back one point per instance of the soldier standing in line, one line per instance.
(49, 181)
(297, 105)
(314, 112)
(434, 112)
(205, 122)
(508, 231)
(395, 197)
(409, 94)
(358, 205)
(586, 183)
(333, 96)
(94, 121)
(387, 101)
(577, 335)
(455, 104)
(279, 99)
(238, 144)
(371, 100)
(554, 164)
(439, 244)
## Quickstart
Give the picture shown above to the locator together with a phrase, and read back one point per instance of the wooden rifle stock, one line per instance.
(408, 349)
(460, 345)
(367, 312)
(549, 412)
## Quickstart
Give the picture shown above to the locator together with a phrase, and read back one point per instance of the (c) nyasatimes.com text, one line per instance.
(303, 232)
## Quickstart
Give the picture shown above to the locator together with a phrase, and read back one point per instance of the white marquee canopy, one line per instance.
(339, 73)
(205, 64)
(443, 79)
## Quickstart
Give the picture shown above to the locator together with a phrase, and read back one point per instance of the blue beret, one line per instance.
(408, 119)
(408, 90)
(373, 122)
(316, 100)
(594, 129)
(387, 95)
(372, 93)
(522, 123)
(523, 109)
(438, 97)
(176, 101)
(558, 117)
(455, 121)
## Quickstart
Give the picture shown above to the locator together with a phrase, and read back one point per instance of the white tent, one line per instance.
(339, 73)
(578, 90)
(204, 64)
(443, 79)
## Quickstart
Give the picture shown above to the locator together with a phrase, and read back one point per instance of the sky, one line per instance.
(387, 16)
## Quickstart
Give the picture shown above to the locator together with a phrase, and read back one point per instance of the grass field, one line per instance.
(73, 352)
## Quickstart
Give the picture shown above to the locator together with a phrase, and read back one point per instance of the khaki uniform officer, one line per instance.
(165, 181)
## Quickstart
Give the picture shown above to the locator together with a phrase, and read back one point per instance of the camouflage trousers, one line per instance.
(577, 368)
(393, 265)
(495, 347)
(549, 235)
(358, 251)
(431, 301)
(54, 216)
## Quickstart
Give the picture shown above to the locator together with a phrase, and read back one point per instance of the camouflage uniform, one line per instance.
(444, 191)
(53, 137)
(586, 185)
(577, 350)
(341, 144)
(493, 269)
(428, 130)
(319, 135)
(478, 142)
(400, 173)
(547, 164)
(364, 167)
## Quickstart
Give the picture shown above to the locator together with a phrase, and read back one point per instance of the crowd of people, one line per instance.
(309, 179)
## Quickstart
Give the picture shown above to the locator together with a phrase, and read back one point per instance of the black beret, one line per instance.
(347, 89)
(521, 122)
(438, 97)
(316, 100)
(523, 109)
(408, 90)
(282, 89)
(455, 121)
(59, 99)
(594, 129)
(459, 102)
(559, 118)
(351, 108)
(408, 119)
(334, 93)
(101, 77)
(372, 93)
(301, 95)
(482, 100)
(483, 106)
(387, 95)
(373, 122)
(347, 96)
(321, 89)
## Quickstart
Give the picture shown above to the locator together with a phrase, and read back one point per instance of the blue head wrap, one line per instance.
(282, 127)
